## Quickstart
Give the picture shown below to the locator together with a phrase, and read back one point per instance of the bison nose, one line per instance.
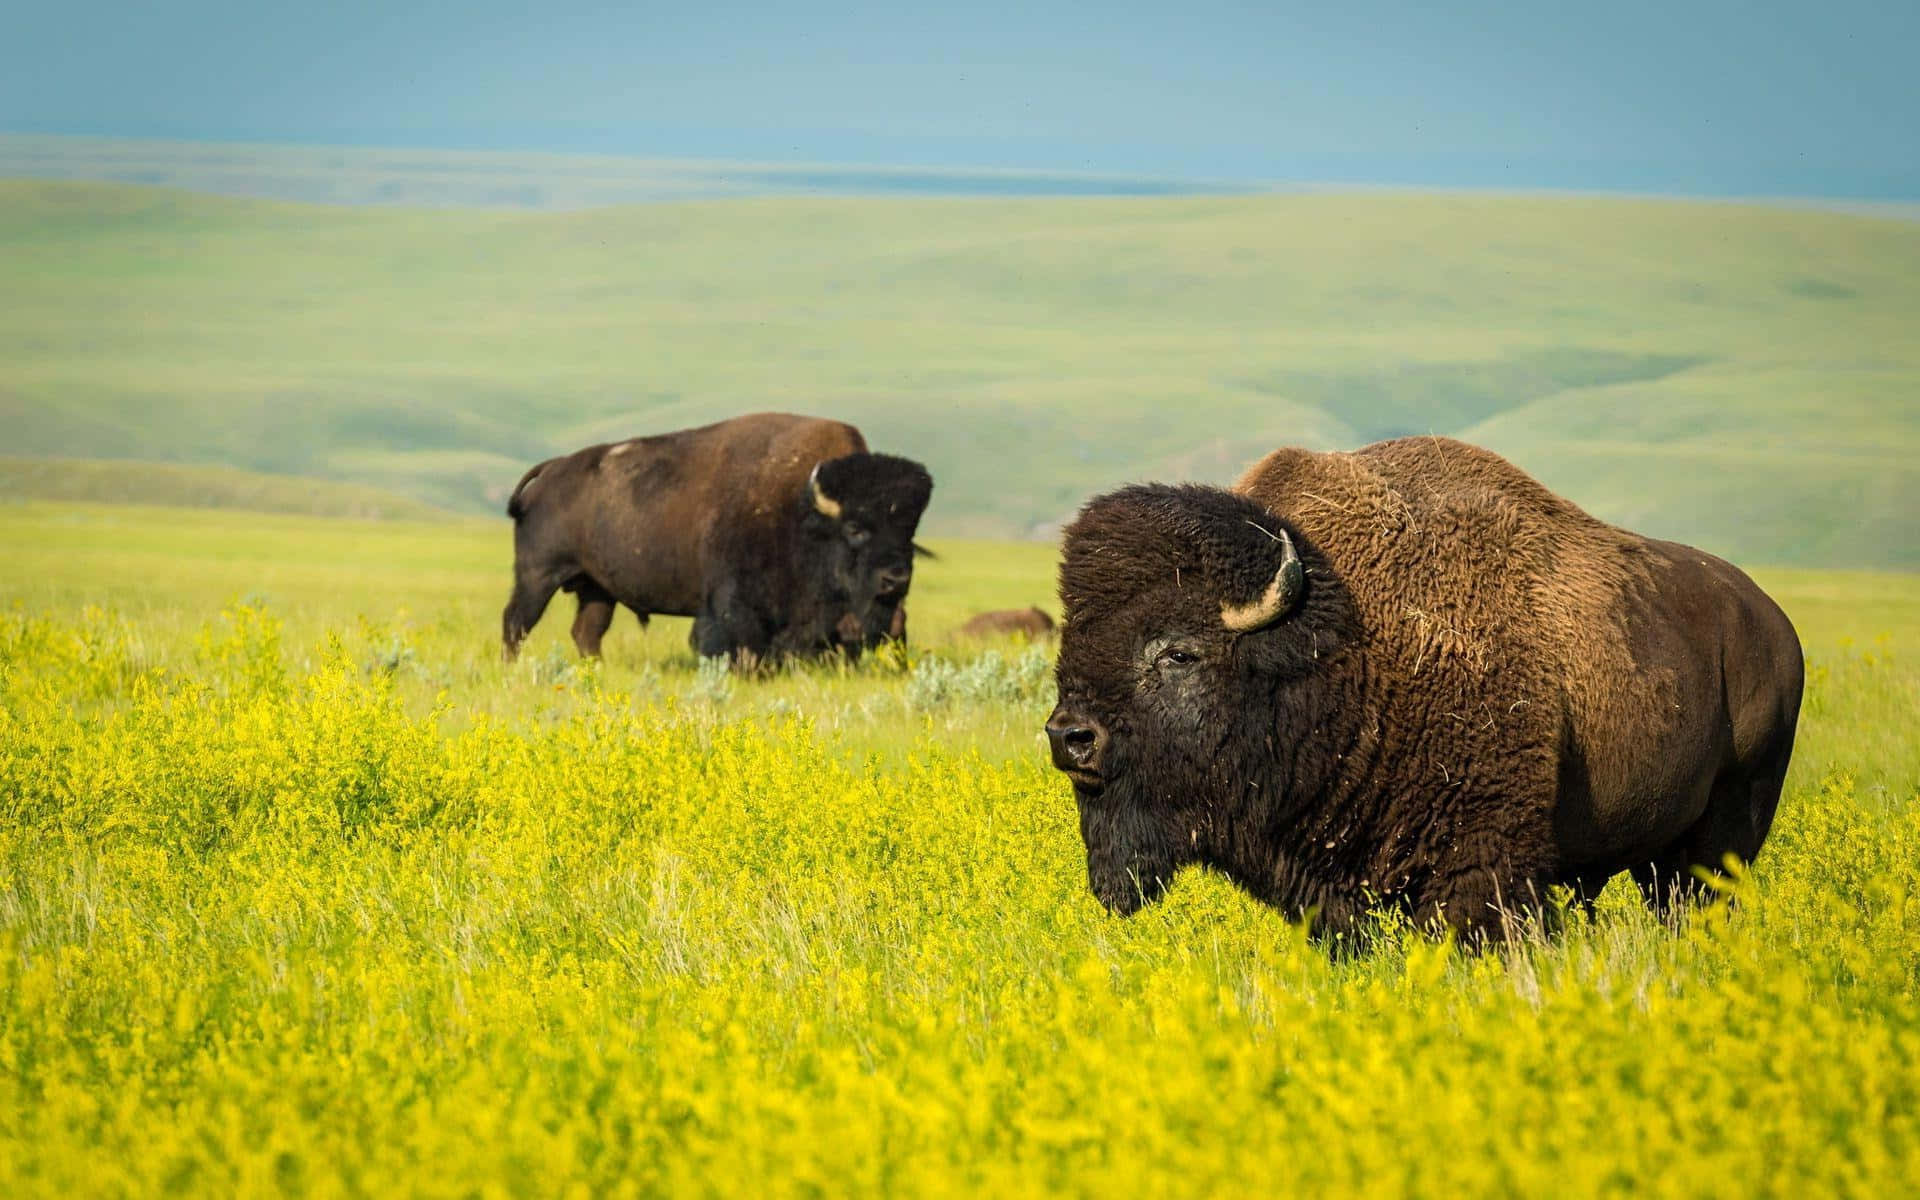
(894, 580)
(1078, 742)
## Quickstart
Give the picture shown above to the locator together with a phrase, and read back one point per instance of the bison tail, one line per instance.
(517, 503)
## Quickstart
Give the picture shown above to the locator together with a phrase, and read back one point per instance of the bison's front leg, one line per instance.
(595, 616)
(531, 592)
(726, 627)
(1483, 904)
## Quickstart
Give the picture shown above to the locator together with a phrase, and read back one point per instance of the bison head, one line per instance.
(862, 510)
(1187, 612)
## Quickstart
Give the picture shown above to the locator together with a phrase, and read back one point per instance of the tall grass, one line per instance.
(284, 916)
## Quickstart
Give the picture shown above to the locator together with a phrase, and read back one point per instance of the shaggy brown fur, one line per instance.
(724, 524)
(1001, 622)
(1480, 692)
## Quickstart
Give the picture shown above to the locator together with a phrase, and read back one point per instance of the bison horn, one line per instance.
(1279, 598)
(828, 506)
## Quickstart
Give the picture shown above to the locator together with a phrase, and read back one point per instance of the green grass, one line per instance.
(436, 588)
(318, 572)
(309, 894)
(426, 597)
(1738, 376)
(172, 485)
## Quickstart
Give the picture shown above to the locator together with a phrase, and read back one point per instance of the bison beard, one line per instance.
(1205, 812)
(1130, 853)
(1409, 677)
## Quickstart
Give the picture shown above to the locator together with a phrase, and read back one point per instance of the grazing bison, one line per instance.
(1032, 622)
(780, 535)
(1410, 676)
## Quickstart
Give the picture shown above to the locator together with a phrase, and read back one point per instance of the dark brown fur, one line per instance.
(719, 523)
(1481, 693)
(1003, 622)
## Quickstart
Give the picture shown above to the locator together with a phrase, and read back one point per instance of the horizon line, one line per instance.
(720, 177)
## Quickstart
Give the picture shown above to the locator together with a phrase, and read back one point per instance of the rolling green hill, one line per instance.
(1740, 376)
(101, 481)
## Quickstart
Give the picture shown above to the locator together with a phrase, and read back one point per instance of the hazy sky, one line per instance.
(1682, 95)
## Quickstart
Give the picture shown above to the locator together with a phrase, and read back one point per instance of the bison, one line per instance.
(779, 535)
(1410, 677)
(1032, 622)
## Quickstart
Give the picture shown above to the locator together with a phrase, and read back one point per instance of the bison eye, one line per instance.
(1173, 656)
(857, 534)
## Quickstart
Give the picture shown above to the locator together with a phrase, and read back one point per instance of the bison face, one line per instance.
(863, 511)
(1177, 602)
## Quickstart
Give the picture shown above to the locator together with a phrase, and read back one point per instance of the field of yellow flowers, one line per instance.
(296, 901)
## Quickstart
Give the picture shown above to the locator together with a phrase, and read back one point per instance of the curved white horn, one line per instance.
(1282, 593)
(828, 506)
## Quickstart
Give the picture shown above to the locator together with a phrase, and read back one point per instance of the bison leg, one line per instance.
(524, 609)
(1587, 885)
(724, 628)
(1739, 814)
(594, 617)
(1483, 905)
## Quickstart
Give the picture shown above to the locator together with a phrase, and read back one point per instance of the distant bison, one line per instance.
(1032, 622)
(1410, 676)
(780, 535)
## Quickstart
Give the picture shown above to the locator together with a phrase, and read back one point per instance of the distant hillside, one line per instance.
(503, 179)
(124, 482)
(1739, 376)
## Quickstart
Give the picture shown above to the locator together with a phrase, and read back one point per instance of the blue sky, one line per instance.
(1708, 96)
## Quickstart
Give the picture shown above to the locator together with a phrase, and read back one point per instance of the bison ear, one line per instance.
(1283, 592)
(920, 551)
(827, 505)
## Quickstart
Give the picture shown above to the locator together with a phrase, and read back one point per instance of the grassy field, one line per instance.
(118, 482)
(302, 891)
(425, 597)
(1737, 376)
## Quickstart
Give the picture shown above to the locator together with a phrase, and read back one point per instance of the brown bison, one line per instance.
(779, 535)
(1410, 676)
(1002, 622)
